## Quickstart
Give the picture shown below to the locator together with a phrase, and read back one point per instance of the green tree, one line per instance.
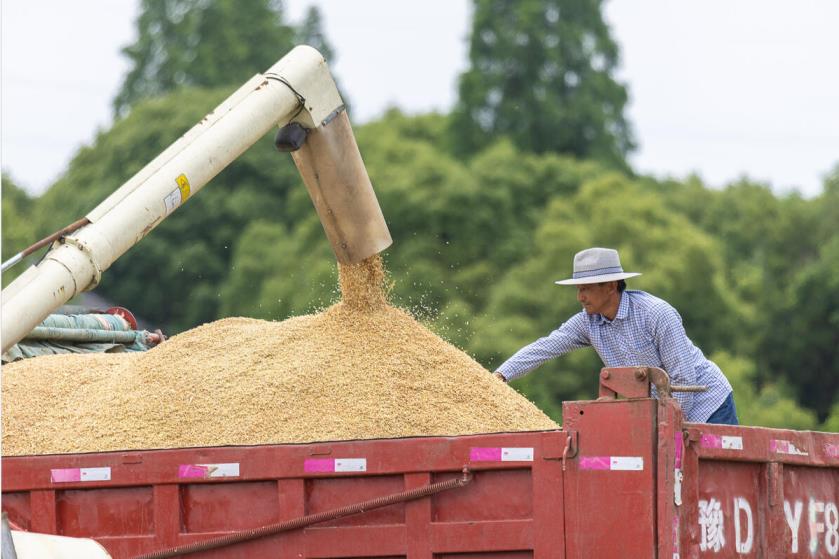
(201, 42)
(277, 273)
(542, 73)
(776, 234)
(769, 405)
(802, 344)
(18, 227)
(828, 205)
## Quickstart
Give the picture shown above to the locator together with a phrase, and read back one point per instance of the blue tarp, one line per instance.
(60, 322)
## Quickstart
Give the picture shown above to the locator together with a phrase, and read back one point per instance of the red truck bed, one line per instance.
(603, 486)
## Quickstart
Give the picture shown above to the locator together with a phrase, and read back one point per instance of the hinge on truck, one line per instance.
(571, 447)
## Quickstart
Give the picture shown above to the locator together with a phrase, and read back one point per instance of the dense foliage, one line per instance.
(208, 43)
(542, 73)
(18, 229)
(478, 242)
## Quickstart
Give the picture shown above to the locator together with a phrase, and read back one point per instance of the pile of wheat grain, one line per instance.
(361, 369)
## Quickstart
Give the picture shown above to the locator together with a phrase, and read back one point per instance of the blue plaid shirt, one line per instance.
(645, 331)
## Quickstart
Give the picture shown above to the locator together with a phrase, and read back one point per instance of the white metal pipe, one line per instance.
(11, 261)
(77, 264)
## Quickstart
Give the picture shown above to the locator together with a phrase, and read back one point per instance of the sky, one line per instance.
(722, 88)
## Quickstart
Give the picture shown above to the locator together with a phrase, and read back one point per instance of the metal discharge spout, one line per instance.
(341, 191)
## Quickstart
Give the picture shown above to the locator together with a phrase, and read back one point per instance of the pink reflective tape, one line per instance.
(484, 454)
(335, 465)
(613, 463)
(678, 444)
(595, 462)
(832, 450)
(193, 471)
(675, 535)
(65, 475)
(725, 442)
(319, 465)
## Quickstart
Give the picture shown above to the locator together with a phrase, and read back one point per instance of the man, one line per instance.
(629, 328)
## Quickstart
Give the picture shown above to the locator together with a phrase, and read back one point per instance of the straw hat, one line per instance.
(596, 265)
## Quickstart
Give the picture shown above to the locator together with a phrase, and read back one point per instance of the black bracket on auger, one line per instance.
(291, 137)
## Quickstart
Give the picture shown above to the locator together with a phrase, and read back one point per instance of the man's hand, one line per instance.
(499, 376)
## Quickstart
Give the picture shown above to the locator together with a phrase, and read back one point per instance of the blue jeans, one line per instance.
(726, 414)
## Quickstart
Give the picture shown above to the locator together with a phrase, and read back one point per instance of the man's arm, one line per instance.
(573, 334)
(677, 353)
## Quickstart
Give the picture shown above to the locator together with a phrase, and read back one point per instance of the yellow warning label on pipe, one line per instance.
(183, 186)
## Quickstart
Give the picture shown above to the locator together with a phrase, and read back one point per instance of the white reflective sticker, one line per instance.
(626, 463)
(95, 474)
(785, 447)
(222, 470)
(515, 454)
(350, 464)
(733, 443)
(172, 200)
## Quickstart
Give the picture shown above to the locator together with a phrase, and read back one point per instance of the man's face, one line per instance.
(596, 297)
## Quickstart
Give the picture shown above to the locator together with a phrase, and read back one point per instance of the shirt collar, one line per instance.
(623, 307)
(623, 310)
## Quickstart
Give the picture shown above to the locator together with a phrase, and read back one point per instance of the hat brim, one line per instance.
(597, 279)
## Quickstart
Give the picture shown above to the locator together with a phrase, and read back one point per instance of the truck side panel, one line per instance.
(756, 492)
(139, 502)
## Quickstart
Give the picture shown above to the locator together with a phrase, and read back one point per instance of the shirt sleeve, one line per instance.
(676, 352)
(572, 334)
